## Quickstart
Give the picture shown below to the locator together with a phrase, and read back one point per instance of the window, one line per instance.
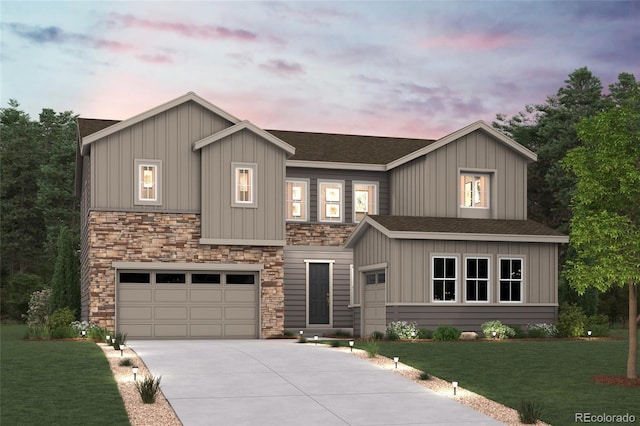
(375, 277)
(365, 200)
(135, 277)
(511, 280)
(170, 278)
(477, 279)
(331, 202)
(244, 185)
(205, 278)
(296, 199)
(241, 279)
(474, 190)
(445, 279)
(147, 182)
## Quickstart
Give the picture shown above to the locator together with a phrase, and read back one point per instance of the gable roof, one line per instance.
(478, 125)
(190, 96)
(446, 228)
(241, 126)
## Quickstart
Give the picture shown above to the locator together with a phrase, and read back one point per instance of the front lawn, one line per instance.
(555, 373)
(56, 383)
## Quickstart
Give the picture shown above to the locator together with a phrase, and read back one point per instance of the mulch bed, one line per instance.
(622, 381)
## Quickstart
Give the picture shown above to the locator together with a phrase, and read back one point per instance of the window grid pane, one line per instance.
(331, 199)
(444, 279)
(148, 182)
(510, 280)
(296, 200)
(477, 280)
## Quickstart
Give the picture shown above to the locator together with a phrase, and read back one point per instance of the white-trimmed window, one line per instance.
(331, 201)
(477, 279)
(444, 276)
(244, 185)
(511, 280)
(375, 277)
(365, 199)
(297, 200)
(474, 190)
(147, 182)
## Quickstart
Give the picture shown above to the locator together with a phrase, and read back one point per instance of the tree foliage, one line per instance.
(605, 228)
(65, 284)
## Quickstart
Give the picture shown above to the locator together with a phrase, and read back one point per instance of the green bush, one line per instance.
(377, 335)
(148, 388)
(59, 324)
(446, 332)
(424, 376)
(402, 330)
(541, 330)
(599, 325)
(571, 321)
(125, 363)
(38, 332)
(520, 332)
(529, 412)
(39, 307)
(424, 333)
(121, 339)
(502, 331)
(372, 347)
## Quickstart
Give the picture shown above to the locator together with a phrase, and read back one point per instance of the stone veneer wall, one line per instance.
(318, 234)
(170, 237)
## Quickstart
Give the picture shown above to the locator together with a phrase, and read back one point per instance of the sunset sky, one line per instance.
(414, 68)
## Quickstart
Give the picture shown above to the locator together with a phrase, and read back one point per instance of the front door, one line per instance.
(318, 293)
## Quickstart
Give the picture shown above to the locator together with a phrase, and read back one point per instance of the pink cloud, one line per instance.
(186, 30)
(469, 41)
(155, 59)
(281, 67)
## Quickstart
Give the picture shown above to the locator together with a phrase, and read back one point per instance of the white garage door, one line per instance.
(196, 304)
(374, 310)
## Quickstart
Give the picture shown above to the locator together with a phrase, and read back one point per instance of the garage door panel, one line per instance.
(170, 313)
(135, 312)
(206, 313)
(136, 295)
(170, 330)
(239, 313)
(137, 330)
(245, 295)
(206, 330)
(170, 295)
(240, 330)
(205, 295)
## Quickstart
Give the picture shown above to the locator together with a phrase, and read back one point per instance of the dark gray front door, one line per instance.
(318, 293)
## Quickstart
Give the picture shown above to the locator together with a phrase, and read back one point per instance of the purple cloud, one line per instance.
(281, 67)
(155, 59)
(186, 30)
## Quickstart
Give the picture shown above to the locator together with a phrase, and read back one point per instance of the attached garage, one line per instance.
(172, 304)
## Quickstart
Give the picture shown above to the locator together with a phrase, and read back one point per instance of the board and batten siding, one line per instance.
(167, 137)
(373, 248)
(295, 286)
(348, 177)
(220, 220)
(429, 185)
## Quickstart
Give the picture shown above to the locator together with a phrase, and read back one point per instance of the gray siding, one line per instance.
(429, 186)
(470, 318)
(219, 218)
(373, 248)
(167, 137)
(348, 177)
(295, 286)
(85, 198)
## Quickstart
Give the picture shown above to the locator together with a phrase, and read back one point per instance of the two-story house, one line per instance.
(196, 224)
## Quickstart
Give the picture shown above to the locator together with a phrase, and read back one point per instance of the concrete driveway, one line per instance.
(281, 382)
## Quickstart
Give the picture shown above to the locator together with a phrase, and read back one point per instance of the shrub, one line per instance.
(424, 376)
(391, 336)
(59, 324)
(38, 332)
(125, 363)
(342, 333)
(377, 335)
(121, 339)
(302, 339)
(520, 332)
(424, 333)
(502, 331)
(529, 412)
(571, 321)
(402, 329)
(336, 343)
(39, 305)
(446, 332)
(599, 325)
(541, 330)
(93, 330)
(372, 347)
(148, 388)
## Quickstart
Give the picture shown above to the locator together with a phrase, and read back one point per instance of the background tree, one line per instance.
(605, 228)
(65, 285)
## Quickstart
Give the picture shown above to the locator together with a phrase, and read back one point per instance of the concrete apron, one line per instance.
(281, 382)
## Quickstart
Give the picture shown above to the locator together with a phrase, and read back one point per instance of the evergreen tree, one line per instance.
(65, 284)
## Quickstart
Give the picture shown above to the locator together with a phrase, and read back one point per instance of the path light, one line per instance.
(113, 340)
(455, 386)
(315, 338)
(395, 360)
(589, 333)
(351, 342)
(135, 371)
(413, 334)
(121, 350)
(301, 333)
(108, 338)
(84, 333)
(493, 333)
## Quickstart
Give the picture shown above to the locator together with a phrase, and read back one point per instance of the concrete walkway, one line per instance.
(281, 382)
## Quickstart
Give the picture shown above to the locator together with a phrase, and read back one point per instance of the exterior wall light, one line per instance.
(455, 387)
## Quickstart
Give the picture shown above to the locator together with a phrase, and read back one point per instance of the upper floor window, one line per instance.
(511, 280)
(365, 199)
(330, 205)
(474, 190)
(444, 278)
(477, 279)
(147, 182)
(244, 185)
(296, 199)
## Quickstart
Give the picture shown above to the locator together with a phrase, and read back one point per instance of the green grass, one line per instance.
(56, 383)
(555, 373)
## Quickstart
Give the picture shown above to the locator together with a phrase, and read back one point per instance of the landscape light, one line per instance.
(494, 334)
(108, 338)
(121, 350)
(316, 339)
(135, 371)
(589, 333)
(395, 360)
(351, 342)
(455, 386)
(84, 333)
